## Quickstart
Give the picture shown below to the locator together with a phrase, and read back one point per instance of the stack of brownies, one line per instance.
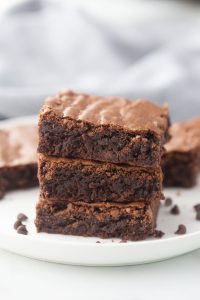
(99, 166)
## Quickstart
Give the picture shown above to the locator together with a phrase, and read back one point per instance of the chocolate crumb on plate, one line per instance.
(181, 229)
(197, 207)
(123, 241)
(158, 234)
(168, 201)
(98, 242)
(175, 210)
(22, 230)
(22, 217)
(17, 224)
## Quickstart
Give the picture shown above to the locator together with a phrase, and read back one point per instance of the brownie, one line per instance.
(18, 157)
(89, 181)
(109, 129)
(135, 221)
(182, 157)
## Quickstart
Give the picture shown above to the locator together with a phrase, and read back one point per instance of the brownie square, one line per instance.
(89, 181)
(109, 129)
(134, 221)
(181, 160)
(18, 157)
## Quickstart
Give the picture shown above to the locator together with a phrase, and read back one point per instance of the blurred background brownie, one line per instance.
(109, 129)
(18, 158)
(181, 160)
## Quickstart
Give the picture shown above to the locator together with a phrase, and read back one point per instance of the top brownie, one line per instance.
(109, 129)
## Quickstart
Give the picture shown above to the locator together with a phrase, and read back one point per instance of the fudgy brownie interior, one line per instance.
(90, 181)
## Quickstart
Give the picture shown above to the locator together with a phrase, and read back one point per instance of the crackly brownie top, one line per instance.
(18, 145)
(184, 136)
(138, 114)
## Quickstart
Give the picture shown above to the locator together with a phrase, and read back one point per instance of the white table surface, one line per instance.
(24, 278)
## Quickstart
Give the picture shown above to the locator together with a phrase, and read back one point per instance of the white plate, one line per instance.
(85, 251)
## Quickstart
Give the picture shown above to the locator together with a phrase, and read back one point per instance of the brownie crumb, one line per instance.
(17, 224)
(168, 201)
(22, 217)
(22, 230)
(181, 229)
(175, 210)
(198, 215)
(197, 207)
(158, 234)
(98, 242)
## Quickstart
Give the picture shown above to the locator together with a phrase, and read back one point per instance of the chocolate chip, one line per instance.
(158, 234)
(22, 230)
(181, 229)
(22, 217)
(17, 224)
(175, 210)
(197, 207)
(198, 215)
(168, 201)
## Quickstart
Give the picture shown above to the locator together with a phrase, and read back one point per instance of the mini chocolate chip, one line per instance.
(22, 230)
(158, 234)
(22, 217)
(17, 224)
(198, 215)
(181, 229)
(175, 210)
(168, 201)
(197, 207)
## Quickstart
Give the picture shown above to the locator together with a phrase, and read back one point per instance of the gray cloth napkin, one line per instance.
(46, 46)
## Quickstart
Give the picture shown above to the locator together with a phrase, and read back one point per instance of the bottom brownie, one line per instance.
(18, 177)
(135, 221)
